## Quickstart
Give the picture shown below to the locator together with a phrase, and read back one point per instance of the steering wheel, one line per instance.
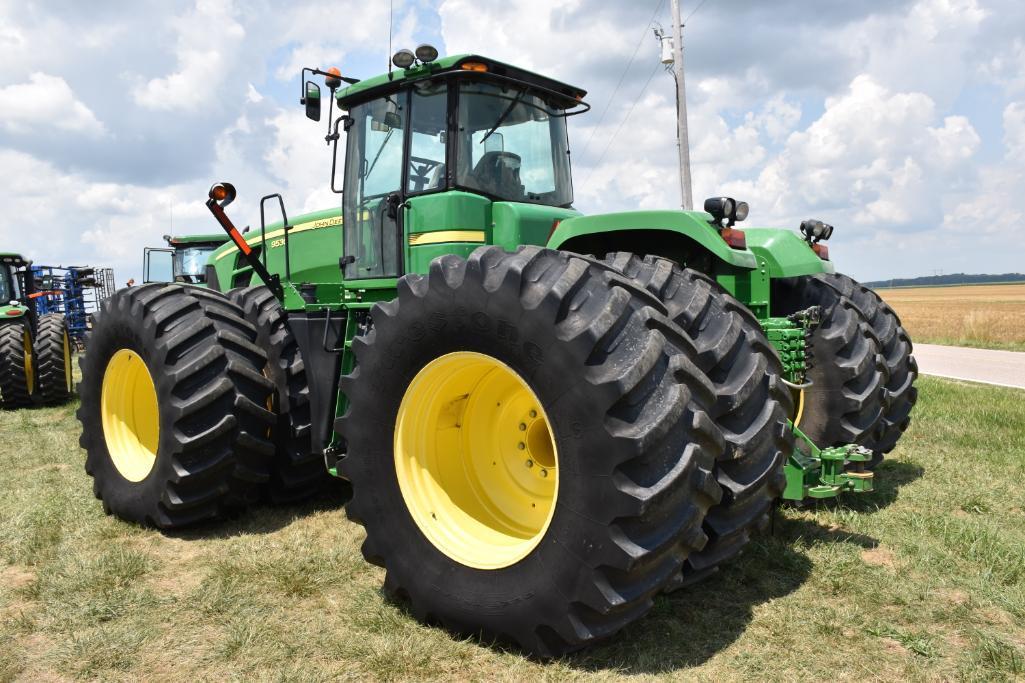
(418, 170)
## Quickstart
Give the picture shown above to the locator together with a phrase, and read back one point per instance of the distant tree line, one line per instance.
(949, 279)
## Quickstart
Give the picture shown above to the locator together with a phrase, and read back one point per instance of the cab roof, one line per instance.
(9, 258)
(376, 85)
(175, 240)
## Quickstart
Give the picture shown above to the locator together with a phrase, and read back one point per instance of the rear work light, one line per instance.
(735, 238)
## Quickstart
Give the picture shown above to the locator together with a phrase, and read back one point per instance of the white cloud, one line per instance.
(994, 211)
(207, 54)
(43, 103)
(861, 126)
(874, 158)
(1007, 67)
(1014, 131)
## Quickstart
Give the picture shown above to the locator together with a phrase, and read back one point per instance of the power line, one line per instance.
(700, 5)
(622, 76)
(623, 122)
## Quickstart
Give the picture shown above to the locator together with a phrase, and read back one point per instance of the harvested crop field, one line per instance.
(982, 316)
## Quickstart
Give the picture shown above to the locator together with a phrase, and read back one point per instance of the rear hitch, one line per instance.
(826, 472)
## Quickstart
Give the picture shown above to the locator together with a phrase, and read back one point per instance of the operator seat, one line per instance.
(437, 178)
(498, 173)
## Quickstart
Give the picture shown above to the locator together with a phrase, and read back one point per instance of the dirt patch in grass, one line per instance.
(16, 577)
(878, 557)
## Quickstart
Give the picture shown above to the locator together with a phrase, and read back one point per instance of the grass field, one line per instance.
(983, 316)
(923, 579)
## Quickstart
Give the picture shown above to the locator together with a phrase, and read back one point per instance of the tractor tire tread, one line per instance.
(296, 472)
(14, 390)
(751, 405)
(49, 345)
(902, 369)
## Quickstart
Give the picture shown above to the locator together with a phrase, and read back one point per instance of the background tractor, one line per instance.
(184, 259)
(547, 419)
(35, 348)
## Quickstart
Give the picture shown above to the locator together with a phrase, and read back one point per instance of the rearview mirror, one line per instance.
(312, 101)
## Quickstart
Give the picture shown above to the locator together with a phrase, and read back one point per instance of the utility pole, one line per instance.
(682, 137)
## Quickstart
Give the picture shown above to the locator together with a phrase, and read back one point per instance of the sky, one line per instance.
(901, 123)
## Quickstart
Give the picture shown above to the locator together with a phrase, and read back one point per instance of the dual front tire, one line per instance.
(531, 447)
(35, 370)
(175, 408)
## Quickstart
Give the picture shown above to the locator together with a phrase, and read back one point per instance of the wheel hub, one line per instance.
(476, 460)
(130, 415)
(30, 372)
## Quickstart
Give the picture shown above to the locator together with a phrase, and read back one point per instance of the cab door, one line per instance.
(372, 198)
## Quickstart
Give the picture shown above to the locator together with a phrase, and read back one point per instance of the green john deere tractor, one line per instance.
(35, 350)
(547, 419)
(183, 260)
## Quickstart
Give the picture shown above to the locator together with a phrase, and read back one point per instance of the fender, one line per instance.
(785, 253)
(9, 312)
(681, 235)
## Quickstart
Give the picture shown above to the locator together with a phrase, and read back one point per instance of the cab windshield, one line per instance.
(190, 262)
(512, 145)
(6, 289)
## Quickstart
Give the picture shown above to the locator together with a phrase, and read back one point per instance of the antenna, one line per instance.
(391, 4)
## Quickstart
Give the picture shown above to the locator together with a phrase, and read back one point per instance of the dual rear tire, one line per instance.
(863, 370)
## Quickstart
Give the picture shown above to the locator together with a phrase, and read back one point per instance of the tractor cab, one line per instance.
(183, 261)
(439, 145)
(12, 288)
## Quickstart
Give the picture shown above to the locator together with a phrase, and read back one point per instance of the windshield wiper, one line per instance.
(379, 151)
(508, 110)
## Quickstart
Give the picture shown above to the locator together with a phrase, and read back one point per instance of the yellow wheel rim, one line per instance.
(67, 361)
(30, 372)
(131, 419)
(476, 461)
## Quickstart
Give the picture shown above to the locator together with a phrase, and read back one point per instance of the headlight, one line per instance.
(815, 230)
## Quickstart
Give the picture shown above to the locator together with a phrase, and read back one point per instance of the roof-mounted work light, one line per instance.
(403, 59)
(426, 53)
(726, 211)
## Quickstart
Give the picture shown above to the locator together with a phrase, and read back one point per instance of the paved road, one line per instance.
(1002, 368)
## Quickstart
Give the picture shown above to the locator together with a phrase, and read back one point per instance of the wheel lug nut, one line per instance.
(521, 445)
(523, 427)
(533, 413)
(530, 463)
(544, 473)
